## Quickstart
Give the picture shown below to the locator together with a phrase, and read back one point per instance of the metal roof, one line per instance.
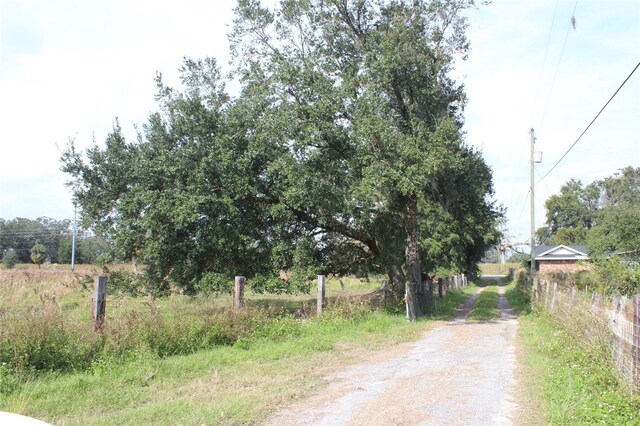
(561, 252)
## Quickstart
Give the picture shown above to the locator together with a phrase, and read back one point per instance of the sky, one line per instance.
(68, 68)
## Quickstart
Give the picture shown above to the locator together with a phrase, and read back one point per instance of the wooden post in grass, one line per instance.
(98, 307)
(410, 302)
(572, 297)
(553, 297)
(321, 293)
(238, 293)
(635, 348)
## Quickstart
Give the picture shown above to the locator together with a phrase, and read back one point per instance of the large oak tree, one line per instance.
(343, 152)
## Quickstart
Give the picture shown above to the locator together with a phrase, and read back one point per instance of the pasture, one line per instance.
(180, 357)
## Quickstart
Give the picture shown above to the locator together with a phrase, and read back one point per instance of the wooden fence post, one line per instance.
(98, 307)
(440, 289)
(595, 302)
(321, 293)
(572, 298)
(431, 300)
(635, 348)
(238, 293)
(553, 297)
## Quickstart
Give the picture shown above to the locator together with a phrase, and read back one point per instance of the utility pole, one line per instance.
(73, 238)
(533, 222)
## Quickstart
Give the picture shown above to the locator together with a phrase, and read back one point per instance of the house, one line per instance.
(561, 259)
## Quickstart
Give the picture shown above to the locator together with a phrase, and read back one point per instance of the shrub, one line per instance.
(8, 380)
(274, 285)
(523, 282)
(213, 283)
(587, 281)
(10, 259)
(618, 276)
(125, 282)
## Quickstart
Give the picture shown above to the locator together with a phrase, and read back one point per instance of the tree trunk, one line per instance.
(412, 258)
(412, 249)
(396, 279)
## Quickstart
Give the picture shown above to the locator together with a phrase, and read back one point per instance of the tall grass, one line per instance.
(48, 340)
(231, 384)
(45, 325)
(48, 346)
(569, 376)
(577, 386)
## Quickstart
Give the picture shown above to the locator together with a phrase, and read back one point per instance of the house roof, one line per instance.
(561, 252)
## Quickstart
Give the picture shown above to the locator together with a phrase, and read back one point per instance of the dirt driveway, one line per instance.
(459, 373)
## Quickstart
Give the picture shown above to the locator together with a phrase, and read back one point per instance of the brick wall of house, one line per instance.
(561, 266)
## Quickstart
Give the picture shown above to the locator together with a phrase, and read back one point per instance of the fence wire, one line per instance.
(610, 321)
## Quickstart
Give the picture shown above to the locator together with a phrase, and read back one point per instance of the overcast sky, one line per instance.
(69, 68)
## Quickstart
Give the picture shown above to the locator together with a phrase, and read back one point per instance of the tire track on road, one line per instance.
(459, 373)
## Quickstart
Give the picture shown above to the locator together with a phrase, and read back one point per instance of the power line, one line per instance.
(555, 75)
(524, 205)
(592, 121)
(544, 60)
(545, 183)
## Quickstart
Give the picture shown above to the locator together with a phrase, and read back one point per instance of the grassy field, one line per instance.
(26, 286)
(497, 269)
(180, 359)
(234, 384)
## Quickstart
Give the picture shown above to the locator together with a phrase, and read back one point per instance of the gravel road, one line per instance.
(459, 373)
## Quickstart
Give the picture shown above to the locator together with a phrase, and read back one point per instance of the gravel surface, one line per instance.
(460, 373)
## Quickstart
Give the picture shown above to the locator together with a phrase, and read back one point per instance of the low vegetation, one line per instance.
(237, 383)
(486, 307)
(497, 268)
(571, 379)
(179, 357)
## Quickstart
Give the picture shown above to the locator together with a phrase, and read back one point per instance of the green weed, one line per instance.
(486, 307)
(283, 360)
(573, 380)
(520, 301)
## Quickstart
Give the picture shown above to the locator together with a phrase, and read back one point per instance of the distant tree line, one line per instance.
(19, 236)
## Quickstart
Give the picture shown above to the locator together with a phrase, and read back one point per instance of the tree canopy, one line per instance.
(604, 215)
(343, 153)
(38, 254)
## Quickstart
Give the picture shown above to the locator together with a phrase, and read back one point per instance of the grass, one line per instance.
(565, 382)
(178, 359)
(518, 299)
(497, 268)
(446, 307)
(225, 385)
(23, 287)
(486, 306)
